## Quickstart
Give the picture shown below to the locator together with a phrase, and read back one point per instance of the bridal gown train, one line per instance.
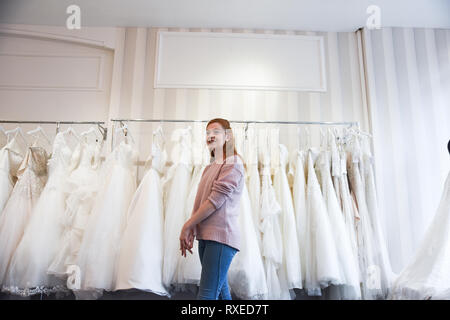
(246, 275)
(10, 159)
(322, 264)
(427, 276)
(27, 273)
(141, 251)
(32, 176)
(81, 189)
(99, 249)
(175, 185)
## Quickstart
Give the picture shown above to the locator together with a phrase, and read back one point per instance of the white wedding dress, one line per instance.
(190, 268)
(27, 272)
(348, 262)
(99, 249)
(272, 240)
(252, 177)
(322, 263)
(427, 276)
(32, 175)
(246, 275)
(140, 259)
(176, 184)
(10, 159)
(369, 265)
(387, 276)
(291, 251)
(81, 191)
(297, 169)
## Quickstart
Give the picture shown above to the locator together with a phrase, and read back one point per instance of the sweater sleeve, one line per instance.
(229, 178)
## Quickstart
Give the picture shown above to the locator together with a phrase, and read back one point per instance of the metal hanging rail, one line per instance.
(100, 124)
(345, 123)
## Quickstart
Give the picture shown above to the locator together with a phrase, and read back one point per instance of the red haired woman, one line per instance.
(214, 220)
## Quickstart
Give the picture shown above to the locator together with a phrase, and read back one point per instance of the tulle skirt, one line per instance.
(175, 206)
(141, 252)
(246, 275)
(428, 275)
(190, 268)
(16, 215)
(43, 234)
(99, 250)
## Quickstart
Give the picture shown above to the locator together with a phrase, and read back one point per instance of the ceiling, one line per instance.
(306, 15)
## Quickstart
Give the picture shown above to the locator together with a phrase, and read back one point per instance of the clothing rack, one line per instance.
(247, 122)
(345, 123)
(100, 124)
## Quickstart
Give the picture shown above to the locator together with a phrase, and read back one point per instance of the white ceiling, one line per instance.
(307, 15)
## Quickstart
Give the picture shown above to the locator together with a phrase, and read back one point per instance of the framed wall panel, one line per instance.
(240, 61)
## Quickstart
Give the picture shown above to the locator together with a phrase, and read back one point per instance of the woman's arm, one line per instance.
(203, 212)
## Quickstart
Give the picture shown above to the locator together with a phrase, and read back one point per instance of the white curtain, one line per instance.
(407, 75)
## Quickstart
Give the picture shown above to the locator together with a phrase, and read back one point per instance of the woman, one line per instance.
(214, 221)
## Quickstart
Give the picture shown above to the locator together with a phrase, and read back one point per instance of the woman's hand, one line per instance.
(186, 238)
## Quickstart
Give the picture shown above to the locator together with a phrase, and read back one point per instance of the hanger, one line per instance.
(39, 130)
(125, 130)
(91, 130)
(70, 130)
(19, 131)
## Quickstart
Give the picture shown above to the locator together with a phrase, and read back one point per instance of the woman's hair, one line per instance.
(229, 146)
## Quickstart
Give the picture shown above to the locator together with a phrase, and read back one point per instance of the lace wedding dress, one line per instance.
(10, 159)
(27, 272)
(32, 176)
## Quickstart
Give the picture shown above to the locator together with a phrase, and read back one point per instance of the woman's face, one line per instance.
(215, 136)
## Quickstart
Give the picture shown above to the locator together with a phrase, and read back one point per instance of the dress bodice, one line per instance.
(36, 160)
(125, 154)
(158, 155)
(283, 156)
(200, 153)
(251, 146)
(181, 152)
(61, 154)
(11, 157)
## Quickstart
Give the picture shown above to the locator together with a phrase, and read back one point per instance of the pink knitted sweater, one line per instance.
(222, 184)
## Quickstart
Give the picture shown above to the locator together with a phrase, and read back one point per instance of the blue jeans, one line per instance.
(215, 258)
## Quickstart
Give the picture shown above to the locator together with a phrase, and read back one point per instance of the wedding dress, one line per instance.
(272, 240)
(10, 159)
(348, 265)
(141, 251)
(322, 264)
(291, 251)
(99, 249)
(32, 176)
(296, 169)
(427, 276)
(368, 264)
(27, 273)
(190, 268)
(381, 253)
(81, 191)
(176, 184)
(246, 275)
(252, 177)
